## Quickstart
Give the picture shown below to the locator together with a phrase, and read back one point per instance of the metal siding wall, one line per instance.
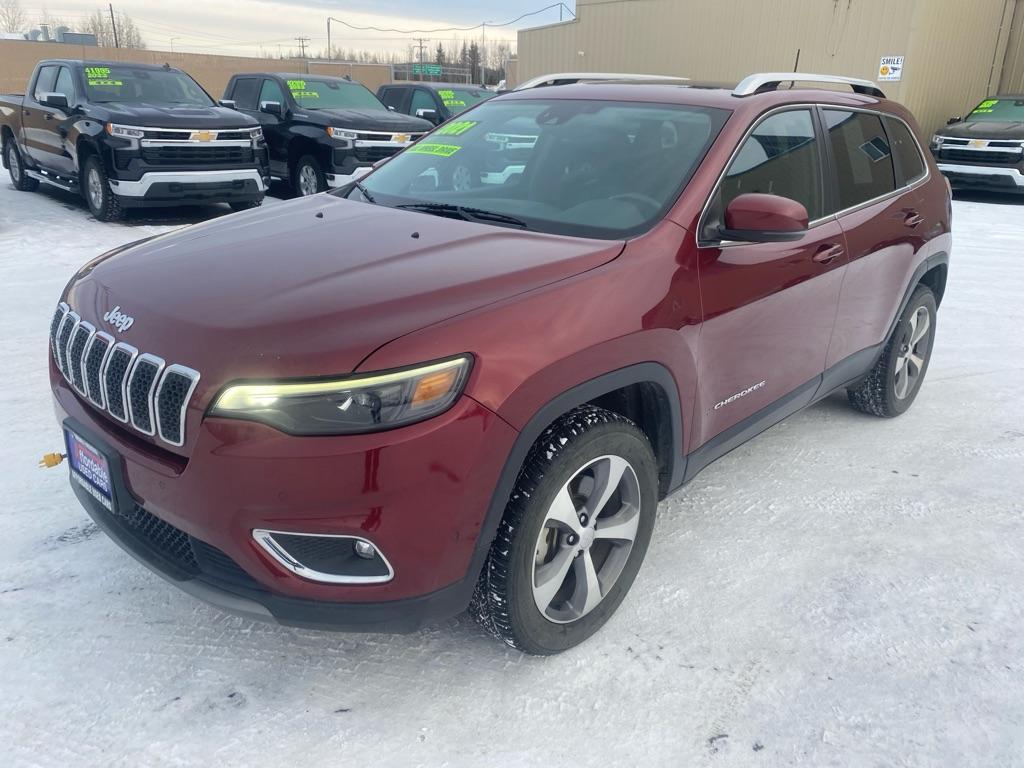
(949, 44)
(1012, 80)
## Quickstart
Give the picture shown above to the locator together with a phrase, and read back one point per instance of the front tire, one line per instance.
(892, 385)
(102, 202)
(574, 534)
(307, 177)
(16, 168)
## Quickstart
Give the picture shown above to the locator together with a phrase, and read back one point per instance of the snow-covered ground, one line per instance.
(843, 590)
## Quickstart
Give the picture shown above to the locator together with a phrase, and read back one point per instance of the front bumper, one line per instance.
(171, 187)
(419, 493)
(962, 176)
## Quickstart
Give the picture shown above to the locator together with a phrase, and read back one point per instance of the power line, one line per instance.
(302, 42)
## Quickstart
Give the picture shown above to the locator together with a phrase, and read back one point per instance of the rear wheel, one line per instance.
(307, 178)
(573, 536)
(102, 202)
(17, 169)
(894, 382)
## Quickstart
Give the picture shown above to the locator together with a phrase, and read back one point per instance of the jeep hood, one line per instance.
(313, 286)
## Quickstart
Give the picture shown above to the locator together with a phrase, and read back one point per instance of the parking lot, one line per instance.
(840, 590)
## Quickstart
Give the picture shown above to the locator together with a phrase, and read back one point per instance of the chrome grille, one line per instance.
(136, 389)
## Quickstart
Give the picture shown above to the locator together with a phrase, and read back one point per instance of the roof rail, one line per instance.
(770, 81)
(570, 78)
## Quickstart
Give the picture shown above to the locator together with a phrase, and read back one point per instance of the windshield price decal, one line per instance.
(448, 98)
(986, 107)
(299, 91)
(457, 128)
(437, 150)
(100, 76)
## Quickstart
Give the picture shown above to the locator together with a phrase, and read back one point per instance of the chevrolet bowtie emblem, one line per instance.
(203, 135)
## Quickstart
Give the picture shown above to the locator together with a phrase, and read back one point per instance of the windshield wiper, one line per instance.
(465, 213)
(365, 192)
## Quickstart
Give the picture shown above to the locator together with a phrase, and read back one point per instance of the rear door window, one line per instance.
(780, 157)
(245, 93)
(906, 152)
(393, 97)
(863, 157)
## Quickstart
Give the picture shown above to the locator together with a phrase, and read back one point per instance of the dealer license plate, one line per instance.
(89, 469)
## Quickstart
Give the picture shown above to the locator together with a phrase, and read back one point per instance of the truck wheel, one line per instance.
(17, 169)
(574, 533)
(103, 203)
(894, 382)
(248, 205)
(306, 176)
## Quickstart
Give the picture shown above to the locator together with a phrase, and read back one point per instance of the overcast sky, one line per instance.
(248, 27)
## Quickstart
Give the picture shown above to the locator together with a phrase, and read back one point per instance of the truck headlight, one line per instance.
(367, 403)
(338, 133)
(937, 141)
(124, 131)
(256, 134)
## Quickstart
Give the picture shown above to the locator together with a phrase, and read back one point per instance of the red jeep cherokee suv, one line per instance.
(467, 380)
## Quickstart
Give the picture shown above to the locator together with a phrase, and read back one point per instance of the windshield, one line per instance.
(332, 94)
(1001, 110)
(587, 168)
(461, 99)
(127, 85)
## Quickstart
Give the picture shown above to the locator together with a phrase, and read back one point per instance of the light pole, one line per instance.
(172, 43)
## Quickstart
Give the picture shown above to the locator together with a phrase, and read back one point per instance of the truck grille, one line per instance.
(189, 154)
(136, 389)
(988, 158)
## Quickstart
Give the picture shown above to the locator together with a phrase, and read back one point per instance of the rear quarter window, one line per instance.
(863, 157)
(910, 164)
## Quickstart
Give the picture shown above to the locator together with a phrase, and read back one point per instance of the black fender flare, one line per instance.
(640, 373)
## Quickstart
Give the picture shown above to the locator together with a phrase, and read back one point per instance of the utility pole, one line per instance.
(113, 25)
(330, 53)
(302, 42)
(483, 57)
(419, 56)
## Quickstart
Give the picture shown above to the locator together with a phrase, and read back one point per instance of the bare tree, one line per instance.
(12, 17)
(128, 35)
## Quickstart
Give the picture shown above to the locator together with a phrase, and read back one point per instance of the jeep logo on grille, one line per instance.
(119, 319)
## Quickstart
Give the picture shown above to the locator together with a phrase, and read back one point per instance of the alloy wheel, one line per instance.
(95, 189)
(13, 163)
(586, 538)
(308, 182)
(913, 350)
(462, 179)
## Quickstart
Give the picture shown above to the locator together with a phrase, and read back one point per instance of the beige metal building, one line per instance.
(955, 52)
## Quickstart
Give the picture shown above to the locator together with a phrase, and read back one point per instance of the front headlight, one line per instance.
(937, 140)
(367, 403)
(124, 132)
(338, 133)
(256, 134)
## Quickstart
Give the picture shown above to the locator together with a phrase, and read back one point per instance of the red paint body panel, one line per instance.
(324, 286)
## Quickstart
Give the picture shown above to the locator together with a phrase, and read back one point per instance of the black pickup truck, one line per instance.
(130, 135)
(322, 131)
(984, 150)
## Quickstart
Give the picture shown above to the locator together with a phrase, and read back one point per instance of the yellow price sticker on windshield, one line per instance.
(437, 150)
(106, 82)
(296, 85)
(97, 73)
(457, 128)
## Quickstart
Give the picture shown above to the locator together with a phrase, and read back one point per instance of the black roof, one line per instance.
(433, 85)
(105, 63)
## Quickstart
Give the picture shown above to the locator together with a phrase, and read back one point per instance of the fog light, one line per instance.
(365, 549)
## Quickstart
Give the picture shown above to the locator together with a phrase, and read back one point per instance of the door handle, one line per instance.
(827, 254)
(26, 112)
(913, 219)
(47, 116)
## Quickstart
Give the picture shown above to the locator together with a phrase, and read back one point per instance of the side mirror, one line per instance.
(759, 218)
(272, 108)
(954, 120)
(229, 103)
(428, 114)
(390, 108)
(55, 100)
